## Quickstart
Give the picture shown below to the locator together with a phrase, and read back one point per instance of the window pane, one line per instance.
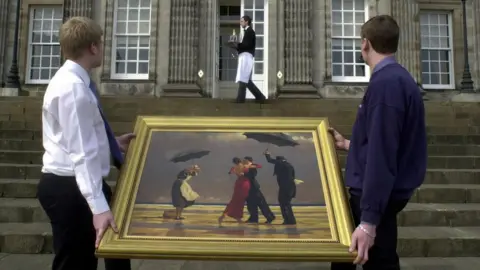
(435, 43)
(227, 62)
(43, 47)
(337, 57)
(337, 70)
(348, 17)
(258, 68)
(348, 70)
(132, 37)
(143, 68)
(360, 70)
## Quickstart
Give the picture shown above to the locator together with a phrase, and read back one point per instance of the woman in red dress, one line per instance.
(235, 207)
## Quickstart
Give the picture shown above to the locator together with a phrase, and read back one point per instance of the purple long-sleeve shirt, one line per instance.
(387, 158)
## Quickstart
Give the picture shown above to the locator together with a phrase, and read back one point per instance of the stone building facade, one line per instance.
(306, 48)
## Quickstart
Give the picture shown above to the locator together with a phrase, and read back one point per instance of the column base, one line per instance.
(9, 92)
(298, 91)
(339, 91)
(466, 97)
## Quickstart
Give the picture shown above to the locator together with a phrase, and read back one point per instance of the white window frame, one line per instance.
(122, 76)
(451, 65)
(28, 71)
(348, 79)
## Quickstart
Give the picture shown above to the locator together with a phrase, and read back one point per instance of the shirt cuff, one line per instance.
(370, 217)
(98, 205)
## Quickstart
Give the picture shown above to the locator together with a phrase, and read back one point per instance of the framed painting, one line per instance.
(213, 188)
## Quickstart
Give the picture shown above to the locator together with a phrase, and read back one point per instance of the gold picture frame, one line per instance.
(280, 247)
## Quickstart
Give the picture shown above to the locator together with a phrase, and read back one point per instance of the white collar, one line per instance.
(79, 70)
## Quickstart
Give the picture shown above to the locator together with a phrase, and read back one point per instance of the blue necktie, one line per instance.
(112, 141)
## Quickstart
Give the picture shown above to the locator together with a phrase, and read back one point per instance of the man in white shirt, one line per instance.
(78, 143)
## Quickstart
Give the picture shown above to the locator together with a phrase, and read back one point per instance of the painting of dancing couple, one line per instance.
(231, 185)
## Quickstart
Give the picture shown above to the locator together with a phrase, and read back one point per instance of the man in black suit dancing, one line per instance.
(287, 189)
(246, 53)
(255, 197)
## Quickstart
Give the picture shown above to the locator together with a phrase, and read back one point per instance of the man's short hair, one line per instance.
(248, 158)
(77, 34)
(248, 19)
(383, 33)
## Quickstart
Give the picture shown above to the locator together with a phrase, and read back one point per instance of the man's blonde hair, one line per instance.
(78, 34)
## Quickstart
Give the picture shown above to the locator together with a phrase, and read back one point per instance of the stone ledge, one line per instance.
(466, 97)
(9, 92)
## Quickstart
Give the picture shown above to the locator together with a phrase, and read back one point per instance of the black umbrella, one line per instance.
(279, 139)
(189, 155)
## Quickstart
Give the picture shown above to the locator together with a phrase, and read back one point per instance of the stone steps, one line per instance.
(433, 149)
(427, 193)
(21, 172)
(35, 238)
(44, 261)
(127, 126)
(436, 139)
(433, 162)
(32, 106)
(441, 220)
(415, 214)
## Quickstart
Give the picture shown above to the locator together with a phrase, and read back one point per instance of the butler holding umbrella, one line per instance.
(246, 53)
(283, 170)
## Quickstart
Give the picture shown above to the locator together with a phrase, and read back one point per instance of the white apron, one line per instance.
(245, 67)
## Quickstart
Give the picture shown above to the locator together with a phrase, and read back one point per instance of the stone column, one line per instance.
(273, 40)
(163, 45)
(318, 44)
(73, 8)
(473, 25)
(298, 62)
(405, 13)
(384, 7)
(4, 9)
(184, 48)
(207, 60)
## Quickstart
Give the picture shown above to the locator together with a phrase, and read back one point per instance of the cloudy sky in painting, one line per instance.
(213, 183)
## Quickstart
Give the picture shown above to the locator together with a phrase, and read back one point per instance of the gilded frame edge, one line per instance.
(114, 246)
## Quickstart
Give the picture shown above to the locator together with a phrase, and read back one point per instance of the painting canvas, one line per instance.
(234, 183)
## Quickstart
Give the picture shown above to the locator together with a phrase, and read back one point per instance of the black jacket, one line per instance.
(248, 42)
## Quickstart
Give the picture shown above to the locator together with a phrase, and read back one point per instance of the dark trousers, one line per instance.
(256, 200)
(383, 254)
(242, 91)
(285, 200)
(72, 224)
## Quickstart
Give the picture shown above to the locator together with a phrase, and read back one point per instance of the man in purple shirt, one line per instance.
(387, 153)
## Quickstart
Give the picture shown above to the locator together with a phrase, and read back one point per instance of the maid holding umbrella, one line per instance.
(183, 195)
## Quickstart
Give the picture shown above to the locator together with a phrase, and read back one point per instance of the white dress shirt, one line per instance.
(74, 135)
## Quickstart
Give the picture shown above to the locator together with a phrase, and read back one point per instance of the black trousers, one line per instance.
(256, 200)
(285, 200)
(72, 224)
(242, 91)
(383, 254)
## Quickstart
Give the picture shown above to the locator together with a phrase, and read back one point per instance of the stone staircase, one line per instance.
(440, 228)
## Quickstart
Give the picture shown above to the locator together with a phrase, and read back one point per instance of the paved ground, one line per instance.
(43, 262)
